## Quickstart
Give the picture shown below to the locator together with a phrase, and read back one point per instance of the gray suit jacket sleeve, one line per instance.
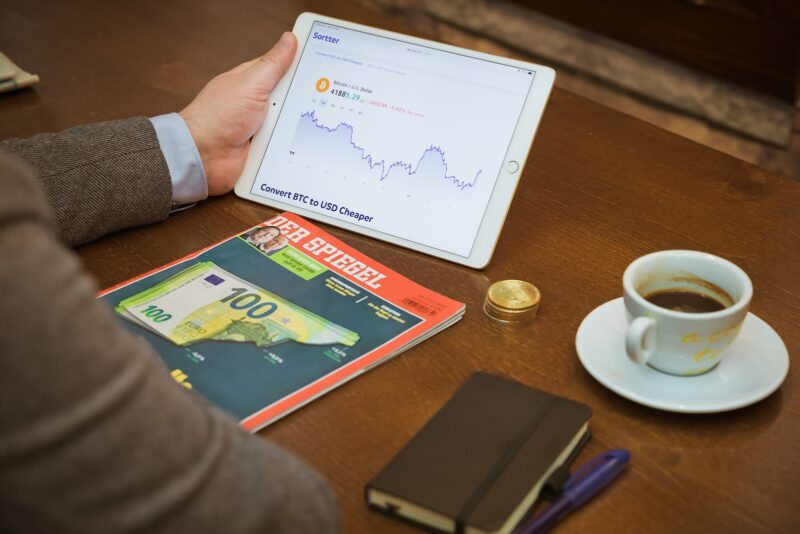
(95, 436)
(100, 177)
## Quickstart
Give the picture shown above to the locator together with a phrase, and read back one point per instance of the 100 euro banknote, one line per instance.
(205, 302)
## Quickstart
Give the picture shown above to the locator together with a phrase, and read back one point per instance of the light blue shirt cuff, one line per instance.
(183, 160)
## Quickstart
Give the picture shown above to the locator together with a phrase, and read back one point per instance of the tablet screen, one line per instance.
(396, 137)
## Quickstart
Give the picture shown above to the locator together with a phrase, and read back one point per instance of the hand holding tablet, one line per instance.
(406, 140)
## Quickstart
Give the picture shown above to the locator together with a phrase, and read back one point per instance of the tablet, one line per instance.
(414, 142)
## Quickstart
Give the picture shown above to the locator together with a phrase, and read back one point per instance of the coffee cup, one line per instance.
(684, 309)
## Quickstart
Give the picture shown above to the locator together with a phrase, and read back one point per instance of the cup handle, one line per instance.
(638, 340)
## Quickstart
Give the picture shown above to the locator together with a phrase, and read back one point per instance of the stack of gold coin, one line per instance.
(512, 301)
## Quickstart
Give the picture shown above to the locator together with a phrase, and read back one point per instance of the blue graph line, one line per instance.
(411, 169)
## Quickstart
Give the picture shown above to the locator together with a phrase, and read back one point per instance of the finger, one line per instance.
(244, 66)
(271, 67)
(239, 68)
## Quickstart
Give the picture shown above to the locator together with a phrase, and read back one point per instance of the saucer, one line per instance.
(753, 366)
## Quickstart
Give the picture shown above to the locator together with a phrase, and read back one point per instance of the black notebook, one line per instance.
(482, 460)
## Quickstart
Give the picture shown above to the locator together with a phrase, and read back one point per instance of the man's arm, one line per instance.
(99, 178)
(107, 176)
(94, 434)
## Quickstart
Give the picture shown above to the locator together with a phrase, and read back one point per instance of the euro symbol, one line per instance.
(323, 84)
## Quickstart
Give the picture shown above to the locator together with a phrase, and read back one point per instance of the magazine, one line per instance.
(268, 320)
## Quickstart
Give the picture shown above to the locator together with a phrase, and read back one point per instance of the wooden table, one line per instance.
(599, 190)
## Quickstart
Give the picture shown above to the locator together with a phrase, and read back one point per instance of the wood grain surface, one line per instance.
(599, 190)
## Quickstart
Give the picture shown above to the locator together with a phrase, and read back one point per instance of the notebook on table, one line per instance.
(481, 462)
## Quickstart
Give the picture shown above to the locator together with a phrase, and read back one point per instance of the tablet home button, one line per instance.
(512, 167)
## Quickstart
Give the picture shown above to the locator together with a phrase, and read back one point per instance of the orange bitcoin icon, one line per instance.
(323, 84)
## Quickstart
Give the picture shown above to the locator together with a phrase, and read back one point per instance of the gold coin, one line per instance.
(512, 301)
(513, 294)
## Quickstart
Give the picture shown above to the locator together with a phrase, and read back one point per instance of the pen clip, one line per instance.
(584, 484)
(620, 456)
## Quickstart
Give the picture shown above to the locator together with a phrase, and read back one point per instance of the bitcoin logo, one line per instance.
(323, 84)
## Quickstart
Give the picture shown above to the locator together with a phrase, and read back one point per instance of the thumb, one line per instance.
(270, 68)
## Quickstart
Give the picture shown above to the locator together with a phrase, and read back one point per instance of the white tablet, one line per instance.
(410, 141)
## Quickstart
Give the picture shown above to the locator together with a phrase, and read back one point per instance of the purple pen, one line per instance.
(584, 484)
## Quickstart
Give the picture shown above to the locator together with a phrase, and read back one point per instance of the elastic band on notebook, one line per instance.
(552, 487)
(500, 466)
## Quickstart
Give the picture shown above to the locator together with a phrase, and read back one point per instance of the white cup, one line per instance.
(678, 342)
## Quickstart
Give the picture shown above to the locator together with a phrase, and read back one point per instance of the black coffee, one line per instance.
(685, 301)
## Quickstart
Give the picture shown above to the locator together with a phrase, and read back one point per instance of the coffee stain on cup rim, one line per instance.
(713, 288)
(681, 282)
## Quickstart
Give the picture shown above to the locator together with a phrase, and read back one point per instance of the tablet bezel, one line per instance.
(505, 185)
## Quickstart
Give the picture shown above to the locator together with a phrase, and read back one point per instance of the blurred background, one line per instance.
(724, 73)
